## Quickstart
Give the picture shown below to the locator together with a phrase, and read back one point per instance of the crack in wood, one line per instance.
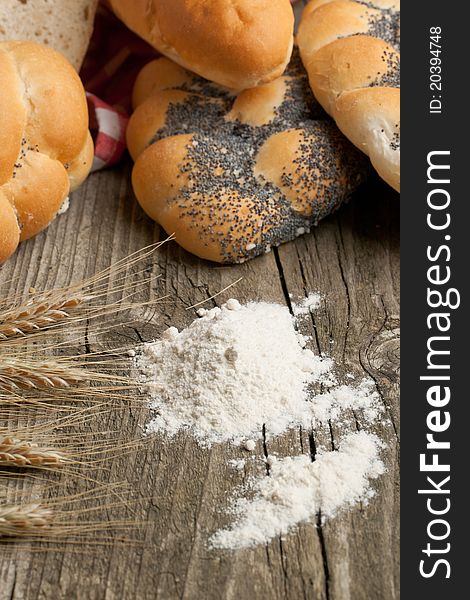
(268, 557)
(332, 437)
(139, 336)
(326, 568)
(13, 586)
(285, 572)
(307, 292)
(282, 278)
(358, 425)
(313, 446)
(265, 451)
(346, 287)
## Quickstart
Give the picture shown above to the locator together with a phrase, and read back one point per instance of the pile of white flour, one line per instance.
(240, 371)
(231, 372)
(298, 489)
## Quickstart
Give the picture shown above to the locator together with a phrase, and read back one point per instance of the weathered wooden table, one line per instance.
(352, 260)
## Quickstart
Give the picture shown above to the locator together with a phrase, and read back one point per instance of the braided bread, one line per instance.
(237, 43)
(45, 146)
(351, 53)
(233, 176)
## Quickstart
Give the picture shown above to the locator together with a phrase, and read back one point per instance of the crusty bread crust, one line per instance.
(233, 176)
(45, 146)
(9, 228)
(350, 50)
(238, 43)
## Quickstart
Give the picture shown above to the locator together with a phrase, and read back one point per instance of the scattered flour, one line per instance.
(298, 489)
(363, 397)
(240, 370)
(231, 372)
(307, 306)
(237, 463)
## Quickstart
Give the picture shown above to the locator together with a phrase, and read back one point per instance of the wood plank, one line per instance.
(352, 260)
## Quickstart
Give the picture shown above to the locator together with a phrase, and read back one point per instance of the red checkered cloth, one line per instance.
(113, 61)
(108, 128)
(111, 66)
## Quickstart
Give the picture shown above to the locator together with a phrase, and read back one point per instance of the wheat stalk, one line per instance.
(20, 453)
(24, 521)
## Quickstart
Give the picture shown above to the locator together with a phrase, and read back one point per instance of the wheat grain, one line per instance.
(20, 453)
(24, 521)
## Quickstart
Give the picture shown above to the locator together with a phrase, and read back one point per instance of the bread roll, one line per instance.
(65, 25)
(45, 146)
(238, 44)
(233, 176)
(351, 53)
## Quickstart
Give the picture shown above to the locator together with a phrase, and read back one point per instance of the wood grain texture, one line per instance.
(179, 489)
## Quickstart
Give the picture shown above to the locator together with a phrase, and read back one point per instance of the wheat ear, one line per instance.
(46, 310)
(35, 315)
(20, 453)
(23, 521)
(39, 375)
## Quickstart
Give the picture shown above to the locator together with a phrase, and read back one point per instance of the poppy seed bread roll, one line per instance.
(232, 176)
(351, 53)
(238, 44)
(45, 146)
